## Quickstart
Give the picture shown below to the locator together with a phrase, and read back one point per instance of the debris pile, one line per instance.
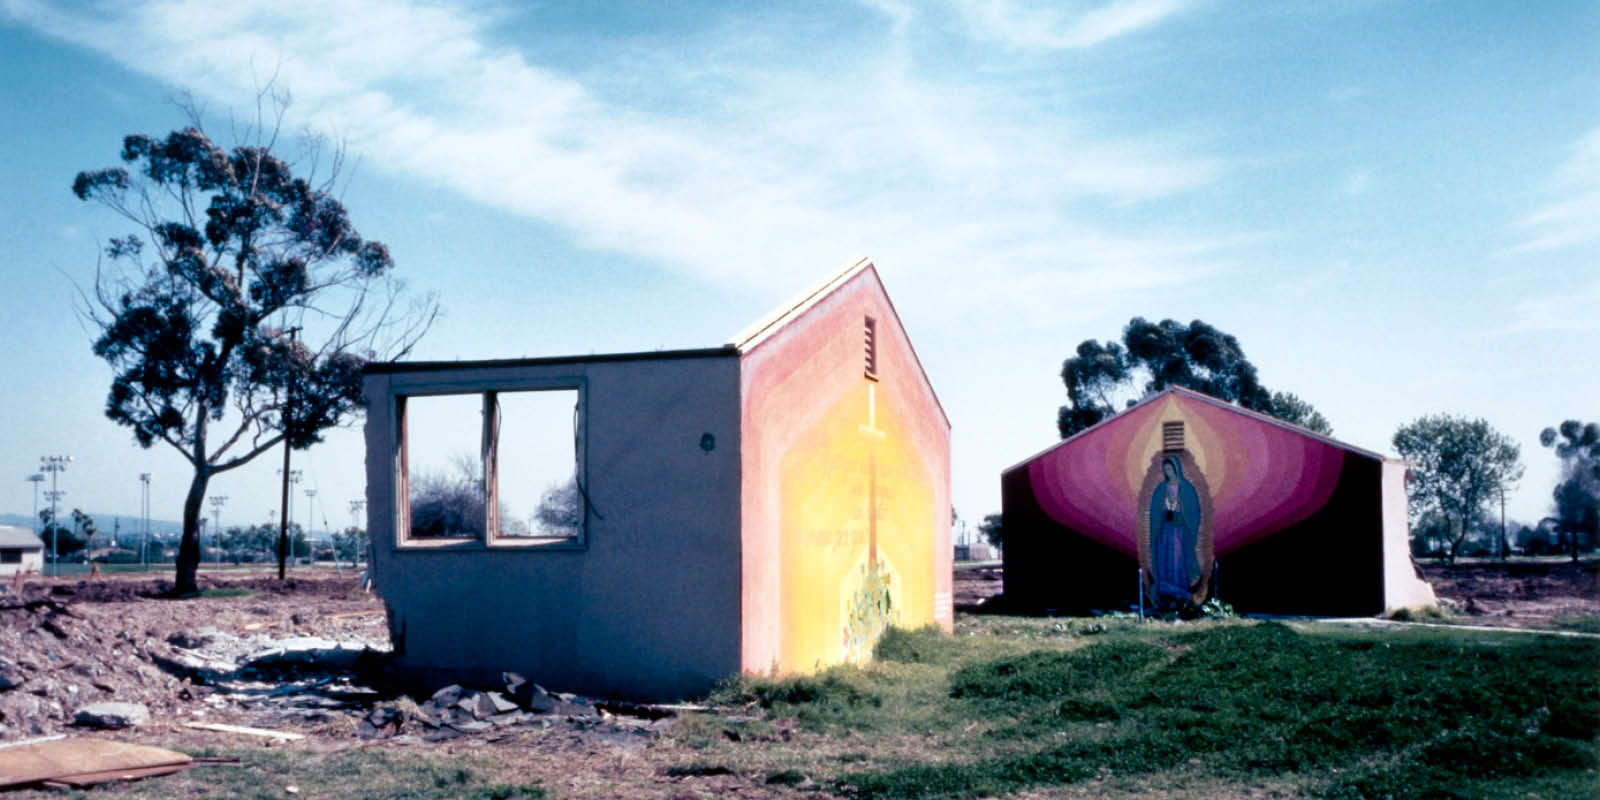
(110, 655)
(55, 663)
(455, 711)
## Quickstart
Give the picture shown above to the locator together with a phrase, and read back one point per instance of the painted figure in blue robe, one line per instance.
(1174, 530)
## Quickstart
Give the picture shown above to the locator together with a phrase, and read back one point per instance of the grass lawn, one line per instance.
(1227, 708)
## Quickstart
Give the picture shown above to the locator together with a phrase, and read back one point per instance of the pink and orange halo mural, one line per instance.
(1258, 479)
(846, 485)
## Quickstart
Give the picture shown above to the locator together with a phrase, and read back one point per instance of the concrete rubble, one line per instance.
(111, 716)
(455, 711)
(65, 666)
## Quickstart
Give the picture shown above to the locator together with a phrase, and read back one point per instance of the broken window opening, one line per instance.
(522, 486)
(539, 454)
(442, 477)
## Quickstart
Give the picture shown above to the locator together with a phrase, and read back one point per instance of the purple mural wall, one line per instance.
(1183, 482)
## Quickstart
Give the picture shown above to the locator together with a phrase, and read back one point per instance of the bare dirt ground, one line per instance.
(305, 655)
(1540, 593)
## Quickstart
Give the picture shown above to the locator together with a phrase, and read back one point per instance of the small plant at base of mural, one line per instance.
(870, 612)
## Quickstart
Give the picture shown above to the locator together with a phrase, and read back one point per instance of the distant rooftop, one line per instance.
(11, 537)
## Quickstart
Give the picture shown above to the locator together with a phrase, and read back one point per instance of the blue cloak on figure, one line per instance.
(1174, 532)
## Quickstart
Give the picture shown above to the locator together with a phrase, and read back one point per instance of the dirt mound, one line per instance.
(67, 643)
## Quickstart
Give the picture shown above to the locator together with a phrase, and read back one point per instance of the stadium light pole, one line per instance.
(35, 479)
(356, 507)
(291, 478)
(216, 527)
(55, 465)
(311, 519)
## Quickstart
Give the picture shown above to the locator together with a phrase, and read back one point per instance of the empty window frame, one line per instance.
(10, 556)
(498, 467)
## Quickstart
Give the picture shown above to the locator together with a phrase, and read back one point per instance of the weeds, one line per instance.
(1410, 714)
(227, 591)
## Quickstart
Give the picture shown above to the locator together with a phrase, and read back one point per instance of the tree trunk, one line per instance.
(189, 545)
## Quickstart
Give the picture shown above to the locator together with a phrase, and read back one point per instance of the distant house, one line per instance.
(1184, 497)
(21, 550)
(772, 504)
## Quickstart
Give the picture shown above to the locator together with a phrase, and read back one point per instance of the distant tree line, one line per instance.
(1463, 467)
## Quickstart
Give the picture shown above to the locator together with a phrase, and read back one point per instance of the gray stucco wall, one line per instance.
(648, 606)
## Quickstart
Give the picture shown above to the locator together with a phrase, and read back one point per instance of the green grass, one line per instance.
(365, 773)
(1010, 705)
(227, 591)
(1582, 623)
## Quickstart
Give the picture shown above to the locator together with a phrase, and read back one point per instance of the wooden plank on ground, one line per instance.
(60, 759)
(83, 779)
(285, 736)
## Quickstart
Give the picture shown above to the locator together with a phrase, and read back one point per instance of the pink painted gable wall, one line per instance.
(1263, 477)
(789, 384)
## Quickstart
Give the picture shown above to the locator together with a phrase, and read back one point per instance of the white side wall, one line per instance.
(648, 606)
(32, 562)
(1401, 586)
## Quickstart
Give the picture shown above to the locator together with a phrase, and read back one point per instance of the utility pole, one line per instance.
(311, 519)
(1503, 548)
(55, 465)
(356, 507)
(216, 528)
(285, 544)
(144, 511)
(288, 430)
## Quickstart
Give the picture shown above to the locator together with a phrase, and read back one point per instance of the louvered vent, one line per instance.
(1172, 436)
(872, 348)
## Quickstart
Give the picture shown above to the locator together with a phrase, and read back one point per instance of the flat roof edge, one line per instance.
(391, 367)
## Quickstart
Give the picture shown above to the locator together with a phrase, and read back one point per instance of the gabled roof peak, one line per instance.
(758, 331)
(1191, 394)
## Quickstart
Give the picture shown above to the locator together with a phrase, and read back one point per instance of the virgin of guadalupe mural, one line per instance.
(1175, 537)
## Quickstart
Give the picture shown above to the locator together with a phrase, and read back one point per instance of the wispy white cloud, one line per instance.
(1572, 215)
(1358, 181)
(1046, 26)
(790, 167)
(1575, 311)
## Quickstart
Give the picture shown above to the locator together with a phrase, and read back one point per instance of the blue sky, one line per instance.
(1394, 206)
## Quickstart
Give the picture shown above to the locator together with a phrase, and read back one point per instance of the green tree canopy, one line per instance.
(993, 529)
(231, 254)
(1289, 408)
(1168, 353)
(1577, 494)
(1460, 466)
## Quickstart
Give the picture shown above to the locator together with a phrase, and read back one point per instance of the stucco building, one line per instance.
(771, 504)
(21, 550)
(1183, 497)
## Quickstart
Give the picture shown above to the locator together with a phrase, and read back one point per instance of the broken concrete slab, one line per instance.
(111, 715)
(11, 675)
(500, 703)
(447, 696)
